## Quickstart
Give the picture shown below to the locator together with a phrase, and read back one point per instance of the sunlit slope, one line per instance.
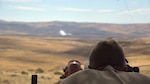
(23, 53)
(27, 53)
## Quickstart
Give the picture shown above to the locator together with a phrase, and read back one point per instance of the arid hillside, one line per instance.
(74, 29)
(23, 56)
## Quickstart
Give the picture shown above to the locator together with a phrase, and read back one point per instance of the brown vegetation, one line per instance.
(21, 57)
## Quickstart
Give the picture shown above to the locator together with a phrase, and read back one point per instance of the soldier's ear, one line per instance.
(125, 69)
(89, 67)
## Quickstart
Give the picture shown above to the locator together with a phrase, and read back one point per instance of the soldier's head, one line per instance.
(107, 52)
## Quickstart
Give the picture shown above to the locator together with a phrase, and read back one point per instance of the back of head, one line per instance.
(105, 53)
(73, 66)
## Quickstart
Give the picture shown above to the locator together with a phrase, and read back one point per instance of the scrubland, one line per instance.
(22, 57)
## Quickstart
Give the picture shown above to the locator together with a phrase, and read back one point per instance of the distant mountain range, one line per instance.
(74, 29)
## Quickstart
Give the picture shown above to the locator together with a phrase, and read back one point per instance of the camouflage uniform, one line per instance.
(107, 76)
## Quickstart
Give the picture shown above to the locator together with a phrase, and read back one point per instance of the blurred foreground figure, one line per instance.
(106, 66)
(131, 69)
(72, 67)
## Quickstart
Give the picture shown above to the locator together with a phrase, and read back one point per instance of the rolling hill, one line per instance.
(74, 29)
(21, 56)
(23, 50)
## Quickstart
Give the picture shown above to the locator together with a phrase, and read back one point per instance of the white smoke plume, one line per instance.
(63, 33)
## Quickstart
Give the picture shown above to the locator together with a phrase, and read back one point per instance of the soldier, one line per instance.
(72, 67)
(106, 66)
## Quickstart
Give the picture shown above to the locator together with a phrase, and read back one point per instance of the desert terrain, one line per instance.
(22, 57)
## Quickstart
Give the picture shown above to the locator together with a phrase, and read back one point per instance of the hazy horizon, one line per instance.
(97, 11)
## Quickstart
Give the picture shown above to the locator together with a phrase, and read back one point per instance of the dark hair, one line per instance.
(105, 53)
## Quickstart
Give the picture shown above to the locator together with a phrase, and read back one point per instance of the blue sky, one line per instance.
(101, 11)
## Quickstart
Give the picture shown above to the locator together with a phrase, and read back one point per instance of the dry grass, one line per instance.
(28, 54)
(23, 54)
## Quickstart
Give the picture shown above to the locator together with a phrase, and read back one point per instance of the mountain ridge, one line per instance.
(74, 29)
